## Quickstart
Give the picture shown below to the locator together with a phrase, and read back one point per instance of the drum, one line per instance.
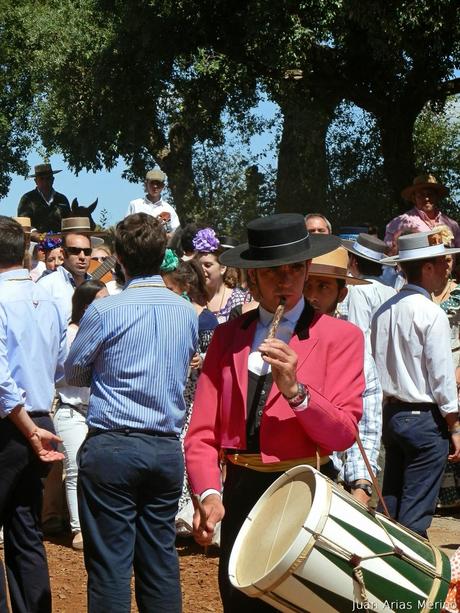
(307, 545)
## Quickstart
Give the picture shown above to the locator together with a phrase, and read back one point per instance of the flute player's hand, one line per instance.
(283, 362)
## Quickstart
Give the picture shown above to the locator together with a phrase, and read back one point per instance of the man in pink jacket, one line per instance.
(270, 404)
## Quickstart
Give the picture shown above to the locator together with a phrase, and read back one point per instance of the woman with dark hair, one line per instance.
(221, 281)
(70, 417)
(186, 279)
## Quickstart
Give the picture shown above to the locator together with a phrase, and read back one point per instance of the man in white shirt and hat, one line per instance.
(410, 340)
(153, 204)
(365, 255)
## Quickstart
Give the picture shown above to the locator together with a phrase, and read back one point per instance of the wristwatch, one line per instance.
(366, 487)
(296, 400)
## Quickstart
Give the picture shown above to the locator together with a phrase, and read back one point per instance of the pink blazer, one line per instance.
(330, 362)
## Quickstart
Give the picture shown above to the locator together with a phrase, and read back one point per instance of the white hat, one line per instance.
(420, 246)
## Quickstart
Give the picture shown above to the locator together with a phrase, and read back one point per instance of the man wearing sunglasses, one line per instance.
(62, 283)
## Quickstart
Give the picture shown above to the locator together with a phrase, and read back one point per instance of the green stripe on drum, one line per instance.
(394, 596)
(413, 574)
(422, 549)
(337, 602)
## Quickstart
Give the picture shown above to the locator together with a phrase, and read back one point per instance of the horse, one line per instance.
(76, 210)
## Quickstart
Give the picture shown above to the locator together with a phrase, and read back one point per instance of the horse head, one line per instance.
(84, 211)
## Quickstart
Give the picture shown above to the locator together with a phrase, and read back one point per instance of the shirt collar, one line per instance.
(292, 316)
(47, 200)
(18, 273)
(425, 217)
(69, 277)
(145, 279)
(149, 202)
(411, 287)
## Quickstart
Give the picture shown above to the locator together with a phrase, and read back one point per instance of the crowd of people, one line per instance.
(146, 374)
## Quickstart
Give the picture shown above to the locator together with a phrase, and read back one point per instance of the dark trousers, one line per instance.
(20, 510)
(243, 488)
(416, 446)
(129, 486)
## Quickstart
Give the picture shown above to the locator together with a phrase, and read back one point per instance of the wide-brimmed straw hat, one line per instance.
(334, 265)
(78, 225)
(276, 240)
(367, 246)
(420, 246)
(25, 222)
(43, 169)
(424, 182)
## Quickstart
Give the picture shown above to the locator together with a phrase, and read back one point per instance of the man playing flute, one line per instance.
(270, 403)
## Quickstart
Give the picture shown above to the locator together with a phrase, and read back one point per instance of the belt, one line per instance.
(254, 462)
(33, 414)
(128, 431)
(420, 406)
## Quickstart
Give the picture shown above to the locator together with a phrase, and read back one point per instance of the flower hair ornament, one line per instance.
(206, 241)
(170, 261)
(49, 242)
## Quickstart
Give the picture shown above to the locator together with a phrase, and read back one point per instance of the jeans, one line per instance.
(416, 447)
(71, 427)
(129, 486)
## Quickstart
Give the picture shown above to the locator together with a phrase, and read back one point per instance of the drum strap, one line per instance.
(371, 472)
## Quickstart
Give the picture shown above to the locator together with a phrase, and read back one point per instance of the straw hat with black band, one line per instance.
(425, 181)
(41, 170)
(420, 246)
(277, 240)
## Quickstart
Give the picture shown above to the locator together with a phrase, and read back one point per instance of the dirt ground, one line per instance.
(198, 576)
(198, 571)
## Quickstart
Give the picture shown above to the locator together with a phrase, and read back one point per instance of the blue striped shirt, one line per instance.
(134, 350)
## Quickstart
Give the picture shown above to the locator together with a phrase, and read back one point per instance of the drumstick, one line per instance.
(277, 317)
(203, 517)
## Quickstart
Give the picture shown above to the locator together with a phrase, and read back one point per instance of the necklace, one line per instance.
(220, 304)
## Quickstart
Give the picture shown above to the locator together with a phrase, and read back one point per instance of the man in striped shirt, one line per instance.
(134, 351)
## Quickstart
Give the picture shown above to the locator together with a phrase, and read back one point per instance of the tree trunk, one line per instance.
(302, 178)
(176, 161)
(396, 129)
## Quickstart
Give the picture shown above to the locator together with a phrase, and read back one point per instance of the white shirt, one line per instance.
(284, 332)
(70, 394)
(144, 205)
(61, 285)
(410, 339)
(364, 300)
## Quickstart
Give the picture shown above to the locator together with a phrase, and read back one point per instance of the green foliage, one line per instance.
(437, 147)
(233, 188)
(15, 97)
(103, 218)
(358, 191)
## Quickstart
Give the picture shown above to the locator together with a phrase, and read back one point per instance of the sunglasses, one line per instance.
(77, 250)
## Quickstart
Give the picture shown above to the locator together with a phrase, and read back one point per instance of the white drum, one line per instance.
(308, 546)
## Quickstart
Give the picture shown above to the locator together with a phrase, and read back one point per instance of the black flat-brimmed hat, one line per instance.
(367, 246)
(276, 240)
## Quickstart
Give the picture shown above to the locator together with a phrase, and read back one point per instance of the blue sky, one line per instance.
(113, 191)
